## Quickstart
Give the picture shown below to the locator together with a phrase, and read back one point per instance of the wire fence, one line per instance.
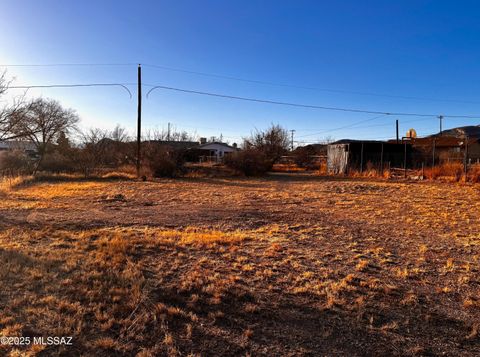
(435, 156)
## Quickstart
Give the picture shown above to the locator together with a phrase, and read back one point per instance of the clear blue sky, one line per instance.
(426, 49)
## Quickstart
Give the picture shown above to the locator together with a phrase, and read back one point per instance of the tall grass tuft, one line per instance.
(451, 170)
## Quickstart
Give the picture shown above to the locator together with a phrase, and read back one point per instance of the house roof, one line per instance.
(312, 148)
(351, 141)
(17, 145)
(215, 143)
(175, 144)
(188, 144)
(442, 141)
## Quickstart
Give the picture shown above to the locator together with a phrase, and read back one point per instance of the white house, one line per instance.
(216, 150)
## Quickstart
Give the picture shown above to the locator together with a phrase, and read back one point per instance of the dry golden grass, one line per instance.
(289, 265)
(287, 168)
(448, 171)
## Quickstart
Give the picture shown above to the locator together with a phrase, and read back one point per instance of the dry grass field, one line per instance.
(289, 265)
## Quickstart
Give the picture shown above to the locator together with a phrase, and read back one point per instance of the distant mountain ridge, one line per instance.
(472, 131)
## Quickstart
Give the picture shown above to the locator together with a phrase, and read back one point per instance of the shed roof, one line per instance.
(351, 141)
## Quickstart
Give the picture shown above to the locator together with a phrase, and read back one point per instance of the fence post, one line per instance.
(466, 157)
(433, 154)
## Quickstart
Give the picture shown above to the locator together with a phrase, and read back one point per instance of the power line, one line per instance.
(123, 85)
(153, 87)
(239, 79)
(68, 64)
(220, 76)
(342, 127)
(361, 127)
(351, 110)
(374, 125)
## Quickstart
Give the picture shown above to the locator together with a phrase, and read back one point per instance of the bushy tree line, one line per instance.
(61, 147)
(260, 151)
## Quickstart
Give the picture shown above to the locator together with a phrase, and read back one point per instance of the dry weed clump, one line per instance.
(206, 237)
(322, 169)
(119, 175)
(451, 171)
(287, 168)
(474, 173)
(8, 183)
(370, 173)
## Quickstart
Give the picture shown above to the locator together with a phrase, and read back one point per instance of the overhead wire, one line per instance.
(122, 85)
(299, 105)
(239, 79)
(226, 96)
(254, 81)
(67, 64)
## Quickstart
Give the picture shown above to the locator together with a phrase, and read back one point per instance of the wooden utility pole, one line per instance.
(291, 143)
(396, 123)
(139, 120)
(440, 118)
(168, 132)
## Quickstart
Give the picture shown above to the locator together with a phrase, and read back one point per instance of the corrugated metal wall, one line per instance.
(337, 158)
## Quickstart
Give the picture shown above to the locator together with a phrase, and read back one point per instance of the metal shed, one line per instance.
(346, 155)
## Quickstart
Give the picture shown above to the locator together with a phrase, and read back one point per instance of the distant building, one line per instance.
(197, 151)
(450, 145)
(173, 145)
(312, 149)
(345, 155)
(28, 147)
(214, 151)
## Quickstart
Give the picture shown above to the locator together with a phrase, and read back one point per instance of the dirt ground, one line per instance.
(288, 265)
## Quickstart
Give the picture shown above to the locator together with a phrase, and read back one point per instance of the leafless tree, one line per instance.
(93, 149)
(173, 135)
(41, 121)
(120, 150)
(119, 134)
(327, 140)
(273, 142)
(9, 113)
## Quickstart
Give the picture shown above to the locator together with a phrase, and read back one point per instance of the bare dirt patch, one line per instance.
(288, 265)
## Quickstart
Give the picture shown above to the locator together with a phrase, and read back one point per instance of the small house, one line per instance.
(214, 151)
(451, 145)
